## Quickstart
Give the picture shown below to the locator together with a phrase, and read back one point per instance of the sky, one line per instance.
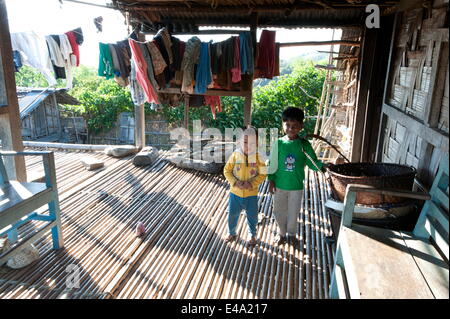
(55, 18)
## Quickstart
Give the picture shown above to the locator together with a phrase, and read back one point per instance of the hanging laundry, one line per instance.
(276, 66)
(124, 56)
(203, 76)
(164, 34)
(69, 59)
(74, 45)
(34, 53)
(137, 93)
(148, 60)
(78, 32)
(224, 77)
(216, 52)
(236, 70)
(56, 56)
(190, 59)
(177, 54)
(17, 60)
(265, 63)
(105, 63)
(178, 77)
(158, 61)
(213, 102)
(246, 52)
(98, 23)
(164, 50)
(142, 71)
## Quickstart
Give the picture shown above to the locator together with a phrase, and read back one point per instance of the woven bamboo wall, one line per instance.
(415, 130)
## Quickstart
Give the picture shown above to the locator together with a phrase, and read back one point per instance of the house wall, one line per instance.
(42, 121)
(414, 127)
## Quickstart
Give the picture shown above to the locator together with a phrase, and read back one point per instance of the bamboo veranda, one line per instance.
(183, 254)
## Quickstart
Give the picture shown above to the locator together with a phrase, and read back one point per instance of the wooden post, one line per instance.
(248, 109)
(186, 112)
(10, 124)
(378, 77)
(366, 71)
(383, 118)
(139, 126)
(249, 84)
(58, 114)
(139, 115)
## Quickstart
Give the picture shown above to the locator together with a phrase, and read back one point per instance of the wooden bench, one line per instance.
(19, 202)
(377, 263)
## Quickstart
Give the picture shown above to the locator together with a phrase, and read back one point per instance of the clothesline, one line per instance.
(53, 55)
(166, 66)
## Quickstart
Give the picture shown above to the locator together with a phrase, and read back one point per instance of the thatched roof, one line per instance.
(182, 16)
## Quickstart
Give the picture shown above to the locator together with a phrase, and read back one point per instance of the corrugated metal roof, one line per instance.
(184, 16)
(29, 99)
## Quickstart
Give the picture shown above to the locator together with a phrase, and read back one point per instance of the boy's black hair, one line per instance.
(293, 114)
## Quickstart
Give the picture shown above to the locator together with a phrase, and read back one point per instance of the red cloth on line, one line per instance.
(73, 43)
(213, 101)
(236, 70)
(141, 72)
(265, 63)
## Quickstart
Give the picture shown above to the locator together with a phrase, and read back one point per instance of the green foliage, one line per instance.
(30, 77)
(231, 116)
(101, 100)
(269, 101)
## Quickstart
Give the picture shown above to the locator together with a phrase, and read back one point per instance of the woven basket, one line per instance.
(378, 175)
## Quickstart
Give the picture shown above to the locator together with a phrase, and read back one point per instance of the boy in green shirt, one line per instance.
(288, 158)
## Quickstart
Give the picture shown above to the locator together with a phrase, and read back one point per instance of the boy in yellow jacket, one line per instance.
(245, 171)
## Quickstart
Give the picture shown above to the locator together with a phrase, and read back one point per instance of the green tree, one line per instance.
(101, 100)
(269, 101)
(32, 78)
(289, 90)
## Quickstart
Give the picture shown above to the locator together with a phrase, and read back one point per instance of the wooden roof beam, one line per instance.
(204, 9)
(312, 43)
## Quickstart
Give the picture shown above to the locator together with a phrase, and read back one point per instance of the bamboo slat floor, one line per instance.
(183, 254)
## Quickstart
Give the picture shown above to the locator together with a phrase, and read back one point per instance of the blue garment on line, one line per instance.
(203, 76)
(236, 205)
(246, 52)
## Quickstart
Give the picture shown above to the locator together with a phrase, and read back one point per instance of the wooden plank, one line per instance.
(248, 110)
(437, 84)
(437, 232)
(389, 79)
(19, 199)
(186, 112)
(433, 267)
(208, 92)
(314, 43)
(10, 123)
(384, 268)
(430, 135)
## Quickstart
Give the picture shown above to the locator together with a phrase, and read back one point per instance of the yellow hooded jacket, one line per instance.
(240, 167)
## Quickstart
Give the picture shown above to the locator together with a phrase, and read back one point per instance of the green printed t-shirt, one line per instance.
(287, 169)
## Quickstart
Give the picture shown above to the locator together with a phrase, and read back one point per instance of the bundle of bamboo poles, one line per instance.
(183, 254)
